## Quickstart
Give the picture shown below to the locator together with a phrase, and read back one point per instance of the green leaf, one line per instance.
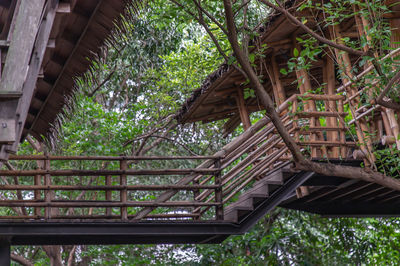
(295, 52)
(252, 58)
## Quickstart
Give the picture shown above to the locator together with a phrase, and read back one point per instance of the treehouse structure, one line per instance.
(45, 45)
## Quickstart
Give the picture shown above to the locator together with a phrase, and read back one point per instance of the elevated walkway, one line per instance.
(112, 200)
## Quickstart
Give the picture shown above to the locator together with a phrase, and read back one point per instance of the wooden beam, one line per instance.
(231, 125)
(27, 19)
(34, 68)
(21, 45)
(64, 8)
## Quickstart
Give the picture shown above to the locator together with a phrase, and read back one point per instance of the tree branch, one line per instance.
(21, 260)
(201, 9)
(212, 36)
(263, 95)
(389, 104)
(310, 31)
(365, 174)
(92, 93)
(174, 141)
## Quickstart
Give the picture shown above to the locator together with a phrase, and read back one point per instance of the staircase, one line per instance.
(260, 192)
(265, 195)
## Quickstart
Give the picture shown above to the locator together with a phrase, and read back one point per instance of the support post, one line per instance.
(309, 105)
(27, 19)
(35, 63)
(277, 84)
(330, 106)
(344, 63)
(244, 113)
(5, 253)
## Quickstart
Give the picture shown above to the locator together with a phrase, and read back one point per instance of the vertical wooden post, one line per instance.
(5, 252)
(330, 106)
(196, 193)
(219, 210)
(37, 196)
(124, 192)
(48, 193)
(295, 124)
(279, 90)
(386, 124)
(309, 105)
(342, 134)
(361, 127)
(243, 112)
(394, 42)
(108, 195)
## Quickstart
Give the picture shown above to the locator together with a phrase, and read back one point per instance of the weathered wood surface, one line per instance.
(21, 45)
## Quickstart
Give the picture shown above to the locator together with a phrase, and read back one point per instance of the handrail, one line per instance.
(107, 158)
(213, 184)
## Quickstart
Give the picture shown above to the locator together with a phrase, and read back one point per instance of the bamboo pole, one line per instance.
(279, 90)
(344, 63)
(305, 87)
(330, 106)
(391, 114)
(243, 112)
(342, 133)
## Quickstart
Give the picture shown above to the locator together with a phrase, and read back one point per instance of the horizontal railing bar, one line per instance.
(169, 215)
(102, 204)
(321, 97)
(310, 114)
(319, 128)
(102, 188)
(325, 143)
(108, 172)
(108, 158)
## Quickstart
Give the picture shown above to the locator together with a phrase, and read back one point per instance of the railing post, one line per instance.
(124, 192)
(219, 210)
(47, 193)
(108, 195)
(342, 134)
(196, 193)
(37, 182)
